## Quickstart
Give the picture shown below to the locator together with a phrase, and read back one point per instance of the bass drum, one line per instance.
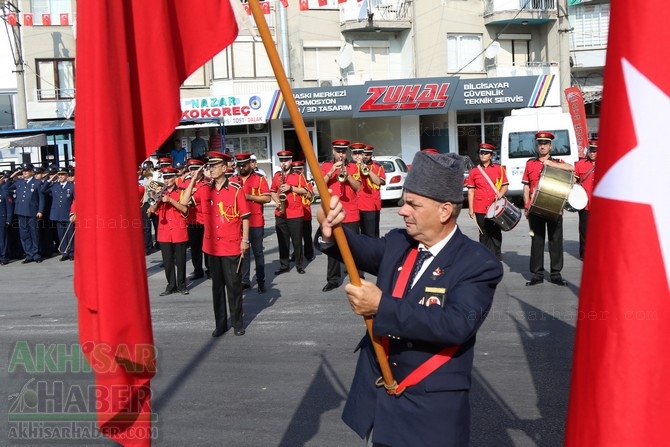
(551, 193)
(577, 199)
(504, 213)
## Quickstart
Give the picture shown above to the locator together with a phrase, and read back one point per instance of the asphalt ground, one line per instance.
(284, 383)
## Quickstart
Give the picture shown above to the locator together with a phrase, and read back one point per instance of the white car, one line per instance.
(396, 172)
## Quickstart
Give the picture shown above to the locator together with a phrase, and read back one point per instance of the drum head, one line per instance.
(578, 199)
(496, 208)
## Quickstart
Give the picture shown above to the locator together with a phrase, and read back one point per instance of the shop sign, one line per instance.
(231, 110)
(508, 92)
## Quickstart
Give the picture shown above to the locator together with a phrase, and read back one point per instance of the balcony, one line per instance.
(376, 16)
(519, 12)
(529, 69)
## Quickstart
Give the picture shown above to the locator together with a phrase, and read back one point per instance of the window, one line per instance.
(371, 60)
(51, 7)
(464, 53)
(591, 25)
(319, 63)
(522, 144)
(55, 79)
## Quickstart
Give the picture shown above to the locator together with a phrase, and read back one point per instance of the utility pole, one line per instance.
(14, 35)
(564, 50)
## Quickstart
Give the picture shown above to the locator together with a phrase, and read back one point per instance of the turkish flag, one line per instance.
(46, 19)
(11, 19)
(27, 19)
(284, 3)
(304, 5)
(64, 19)
(121, 64)
(265, 7)
(323, 2)
(341, 1)
(619, 394)
(247, 8)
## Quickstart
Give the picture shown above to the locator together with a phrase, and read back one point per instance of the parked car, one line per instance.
(396, 172)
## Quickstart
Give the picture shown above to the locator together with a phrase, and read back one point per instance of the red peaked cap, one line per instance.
(430, 150)
(165, 161)
(242, 158)
(593, 145)
(339, 145)
(169, 171)
(194, 162)
(357, 147)
(546, 136)
(487, 147)
(285, 155)
(218, 157)
(298, 164)
(368, 149)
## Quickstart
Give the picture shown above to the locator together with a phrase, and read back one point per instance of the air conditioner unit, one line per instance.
(329, 83)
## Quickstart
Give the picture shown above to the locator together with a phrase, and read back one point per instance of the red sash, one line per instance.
(437, 360)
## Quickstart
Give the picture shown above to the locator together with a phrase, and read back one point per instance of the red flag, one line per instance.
(64, 19)
(304, 5)
(341, 1)
(46, 19)
(265, 7)
(247, 8)
(578, 114)
(284, 3)
(323, 2)
(141, 76)
(11, 19)
(27, 20)
(619, 394)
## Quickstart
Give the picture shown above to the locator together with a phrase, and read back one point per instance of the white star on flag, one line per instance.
(650, 109)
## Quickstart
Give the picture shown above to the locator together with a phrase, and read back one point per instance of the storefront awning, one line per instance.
(29, 141)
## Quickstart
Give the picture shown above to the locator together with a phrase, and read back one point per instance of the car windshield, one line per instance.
(388, 166)
(393, 165)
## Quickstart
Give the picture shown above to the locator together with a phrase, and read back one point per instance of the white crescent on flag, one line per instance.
(650, 109)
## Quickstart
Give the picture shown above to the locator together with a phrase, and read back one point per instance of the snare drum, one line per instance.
(504, 213)
(577, 199)
(551, 193)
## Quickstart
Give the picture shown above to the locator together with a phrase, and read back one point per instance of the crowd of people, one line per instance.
(35, 210)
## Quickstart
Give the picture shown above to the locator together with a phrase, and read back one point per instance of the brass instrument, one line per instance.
(281, 206)
(156, 191)
(343, 174)
(365, 169)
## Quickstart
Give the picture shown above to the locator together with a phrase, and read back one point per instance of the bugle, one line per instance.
(281, 206)
(365, 169)
(343, 174)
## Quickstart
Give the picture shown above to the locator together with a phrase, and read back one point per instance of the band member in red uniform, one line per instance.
(196, 221)
(172, 234)
(584, 172)
(226, 239)
(339, 177)
(538, 224)
(307, 199)
(486, 184)
(257, 193)
(287, 190)
(372, 177)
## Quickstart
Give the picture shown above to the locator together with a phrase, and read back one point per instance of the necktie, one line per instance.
(420, 259)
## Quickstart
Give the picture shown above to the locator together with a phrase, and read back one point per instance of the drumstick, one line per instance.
(239, 264)
(476, 224)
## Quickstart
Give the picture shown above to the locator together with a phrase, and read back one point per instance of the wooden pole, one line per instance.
(301, 131)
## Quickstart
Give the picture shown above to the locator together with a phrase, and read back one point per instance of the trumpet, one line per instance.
(281, 206)
(156, 191)
(343, 174)
(364, 168)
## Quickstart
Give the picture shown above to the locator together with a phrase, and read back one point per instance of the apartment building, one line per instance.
(399, 75)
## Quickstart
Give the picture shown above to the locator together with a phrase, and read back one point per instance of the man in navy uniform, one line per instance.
(6, 214)
(434, 289)
(62, 195)
(29, 207)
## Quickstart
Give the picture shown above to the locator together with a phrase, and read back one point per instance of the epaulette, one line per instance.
(235, 185)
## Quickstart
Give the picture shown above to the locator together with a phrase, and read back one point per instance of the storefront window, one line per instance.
(475, 127)
(250, 139)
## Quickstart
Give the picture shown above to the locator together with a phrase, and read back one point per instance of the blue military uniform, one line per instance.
(29, 201)
(62, 195)
(6, 215)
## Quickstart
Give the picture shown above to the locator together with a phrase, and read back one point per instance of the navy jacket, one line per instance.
(29, 199)
(62, 197)
(436, 411)
(6, 205)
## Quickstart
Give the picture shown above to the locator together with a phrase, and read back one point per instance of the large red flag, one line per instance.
(132, 57)
(619, 394)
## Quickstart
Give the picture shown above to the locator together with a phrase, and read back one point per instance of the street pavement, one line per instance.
(284, 383)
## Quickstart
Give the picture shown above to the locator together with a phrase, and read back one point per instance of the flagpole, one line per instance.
(301, 131)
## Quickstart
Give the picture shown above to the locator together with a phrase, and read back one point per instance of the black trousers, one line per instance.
(583, 222)
(307, 241)
(491, 234)
(554, 231)
(196, 233)
(146, 228)
(289, 230)
(334, 272)
(4, 241)
(48, 237)
(226, 281)
(174, 260)
(256, 242)
(370, 223)
(29, 236)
